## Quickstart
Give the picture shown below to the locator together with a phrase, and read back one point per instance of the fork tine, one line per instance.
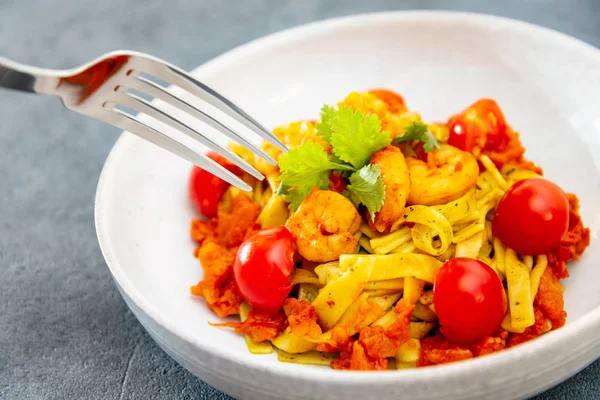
(137, 103)
(146, 86)
(186, 81)
(131, 124)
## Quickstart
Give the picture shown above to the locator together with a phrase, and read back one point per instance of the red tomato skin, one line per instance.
(482, 125)
(205, 190)
(389, 96)
(532, 217)
(469, 300)
(263, 267)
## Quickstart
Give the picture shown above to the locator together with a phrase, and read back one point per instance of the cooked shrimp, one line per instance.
(324, 226)
(394, 118)
(394, 173)
(448, 174)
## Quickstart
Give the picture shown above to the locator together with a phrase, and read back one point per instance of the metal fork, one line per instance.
(106, 88)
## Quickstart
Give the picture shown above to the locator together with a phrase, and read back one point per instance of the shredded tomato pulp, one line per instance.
(260, 326)
(302, 318)
(218, 240)
(375, 343)
(574, 243)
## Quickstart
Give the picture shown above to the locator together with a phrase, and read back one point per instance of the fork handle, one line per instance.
(26, 78)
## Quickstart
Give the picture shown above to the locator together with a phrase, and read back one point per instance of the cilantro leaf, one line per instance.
(355, 137)
(296, 195)
(418, 130)
(303, 168)
(323, 128)
(367, 187)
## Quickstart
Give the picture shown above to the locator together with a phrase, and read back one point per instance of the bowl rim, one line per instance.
(323, 375)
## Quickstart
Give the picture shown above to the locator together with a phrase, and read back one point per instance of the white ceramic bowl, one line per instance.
(548, 84)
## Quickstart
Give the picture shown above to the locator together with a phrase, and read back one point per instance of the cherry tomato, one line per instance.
(469, 300)
(481, 125)
(388, 96)
(263, 267)
(532, 217)
(205, 189)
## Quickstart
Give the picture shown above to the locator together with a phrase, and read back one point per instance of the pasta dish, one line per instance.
(381, 242)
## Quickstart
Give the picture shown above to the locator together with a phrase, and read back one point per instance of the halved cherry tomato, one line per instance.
(481, 125)
(469, 300)
(263, 266)
(205, 189)
(532, 217)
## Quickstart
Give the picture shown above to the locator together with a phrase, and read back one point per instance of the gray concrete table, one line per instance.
(65, 333)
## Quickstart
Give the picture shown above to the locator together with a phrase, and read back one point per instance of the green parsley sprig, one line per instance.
(418, 130)
(354, 138)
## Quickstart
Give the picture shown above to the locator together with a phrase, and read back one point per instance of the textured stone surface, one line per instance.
(65, 333)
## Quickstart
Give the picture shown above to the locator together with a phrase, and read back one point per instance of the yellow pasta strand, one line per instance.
(488, 229)
(405, 365)
(387, 320)
(467, 232)
(402, 240)
(382, 292)
(528, 260)
(393, 266)
(429, 223)
(328, 271)
(366, 244)
(519, 291)
(390, 240)
(254, 348)
(491, 168)
(459, 210)
(413, 288)
(418, 330)
(385, 302)
(274, 213)
(409, 351)
(388, 284)
(507, 324)
(405, 248)
(357, 236)
(424, 313)
(365, 230)
(499, 256)
(353, 309)
(470, 247)
(335, 297)
(307, 292)
(257, 192)
(536, 274)
(427, 297)
(308, 358)
(303, 276)
(292, 343)
(513, 175)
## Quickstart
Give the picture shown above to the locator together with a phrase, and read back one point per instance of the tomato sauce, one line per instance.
(260, 326)
(218, 240)
(376, 344)
(302, 318)
(574, 243)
